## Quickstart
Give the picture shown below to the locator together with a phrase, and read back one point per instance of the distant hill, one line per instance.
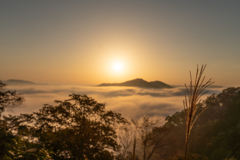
(18, 82)
(160, 84)
(139, 83)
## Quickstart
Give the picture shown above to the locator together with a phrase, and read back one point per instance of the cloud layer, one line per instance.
(131, 102)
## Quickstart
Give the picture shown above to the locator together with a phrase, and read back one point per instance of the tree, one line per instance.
(8, 98)
(151, 135)
(12, 144)
(77, 128)
(126, 135)
(14, 147)
(215, 132)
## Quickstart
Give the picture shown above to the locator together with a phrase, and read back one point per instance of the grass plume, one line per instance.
(192, 99)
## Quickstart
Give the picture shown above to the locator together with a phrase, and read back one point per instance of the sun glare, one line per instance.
(117, 67)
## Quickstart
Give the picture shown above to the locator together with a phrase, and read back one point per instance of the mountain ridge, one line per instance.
(139, 82)
(19, 82)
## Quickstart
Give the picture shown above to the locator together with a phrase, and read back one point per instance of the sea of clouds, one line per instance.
(131, 102)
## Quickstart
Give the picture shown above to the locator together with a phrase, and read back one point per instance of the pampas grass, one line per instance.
(192, 99)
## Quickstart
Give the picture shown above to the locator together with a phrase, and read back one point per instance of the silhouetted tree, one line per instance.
(8, 98)
(151, 135)
(12, 145)
(126, 135)
(77, 128)
(215, 132)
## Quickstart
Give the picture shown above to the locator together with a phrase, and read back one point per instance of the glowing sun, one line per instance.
(117, 66)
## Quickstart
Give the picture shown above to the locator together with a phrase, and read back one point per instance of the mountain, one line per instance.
(18, 82)
(139, 83)
(160, 84)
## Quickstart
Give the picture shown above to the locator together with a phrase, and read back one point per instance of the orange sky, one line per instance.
(67, 42)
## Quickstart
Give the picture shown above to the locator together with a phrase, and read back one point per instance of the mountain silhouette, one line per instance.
(19, 82)
(160, 84)
(139, 83)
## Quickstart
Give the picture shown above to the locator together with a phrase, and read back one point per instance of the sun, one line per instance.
(117, 66)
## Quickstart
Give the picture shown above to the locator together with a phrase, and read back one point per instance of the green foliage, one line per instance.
(216, 133)
(76, 128)
(6, 144)
(8, 99)
(14, 146)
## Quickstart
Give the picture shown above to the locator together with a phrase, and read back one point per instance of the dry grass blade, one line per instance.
(192, 98)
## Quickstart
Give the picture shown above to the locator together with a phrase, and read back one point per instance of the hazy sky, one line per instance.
(73, 42)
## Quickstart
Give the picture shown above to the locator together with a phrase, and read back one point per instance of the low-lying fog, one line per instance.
(131, 102)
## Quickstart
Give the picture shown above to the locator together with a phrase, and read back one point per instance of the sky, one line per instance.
(93, 42)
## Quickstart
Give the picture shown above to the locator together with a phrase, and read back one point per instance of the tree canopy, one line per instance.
(216, 133)
(77, 128)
